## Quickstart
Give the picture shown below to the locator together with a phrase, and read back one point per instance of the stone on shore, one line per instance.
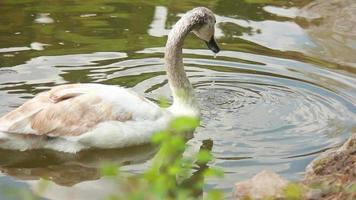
(263, 185)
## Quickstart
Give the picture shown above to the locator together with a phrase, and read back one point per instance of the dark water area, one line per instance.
(281, 91)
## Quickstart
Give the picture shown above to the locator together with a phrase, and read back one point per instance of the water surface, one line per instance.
(281, 91)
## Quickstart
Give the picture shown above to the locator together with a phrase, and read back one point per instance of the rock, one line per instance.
(314, 194)
(341, 161)
(263, 185)
(333, 171)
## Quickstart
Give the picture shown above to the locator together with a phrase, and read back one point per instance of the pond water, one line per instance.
(282, 89)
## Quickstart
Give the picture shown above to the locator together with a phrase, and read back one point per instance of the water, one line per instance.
(282, 90)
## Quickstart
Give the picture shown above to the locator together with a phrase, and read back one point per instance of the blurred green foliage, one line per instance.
(171, 174)
(293, 191)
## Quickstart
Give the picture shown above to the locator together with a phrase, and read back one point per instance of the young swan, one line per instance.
(74, 117)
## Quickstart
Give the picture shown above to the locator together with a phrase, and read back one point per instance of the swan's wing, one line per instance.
(72, 110)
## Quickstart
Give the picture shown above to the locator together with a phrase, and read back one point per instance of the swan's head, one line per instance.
(204, 21)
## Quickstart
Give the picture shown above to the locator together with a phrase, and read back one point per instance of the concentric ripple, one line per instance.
(289, 108)
(268, 121)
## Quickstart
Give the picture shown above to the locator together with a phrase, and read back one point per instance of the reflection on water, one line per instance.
(281, 91)
(334, 31)
(68, 169)
(70, 173)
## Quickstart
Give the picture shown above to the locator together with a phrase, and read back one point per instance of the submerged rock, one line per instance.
(263, 185)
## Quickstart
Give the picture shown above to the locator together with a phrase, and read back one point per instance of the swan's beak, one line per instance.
(212, 45)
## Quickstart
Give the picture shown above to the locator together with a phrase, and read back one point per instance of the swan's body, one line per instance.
(78, 116)
(73, 117)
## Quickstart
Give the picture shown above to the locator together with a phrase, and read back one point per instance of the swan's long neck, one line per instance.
(184, 102)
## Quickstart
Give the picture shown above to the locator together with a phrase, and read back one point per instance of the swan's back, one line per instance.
(75, 111)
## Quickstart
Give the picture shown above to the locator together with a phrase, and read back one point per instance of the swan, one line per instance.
(73, 117)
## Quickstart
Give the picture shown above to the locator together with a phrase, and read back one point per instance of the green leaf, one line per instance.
(173, 170)
(159, 137)
(184, 124)
(211, 172)
(215, 195)
(293, 191)
(204, 156)
(177, 143)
